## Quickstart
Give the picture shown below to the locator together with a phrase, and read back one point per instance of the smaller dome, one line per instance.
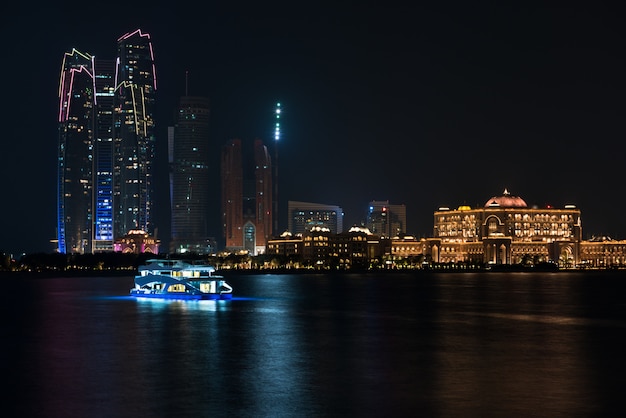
(507, 200)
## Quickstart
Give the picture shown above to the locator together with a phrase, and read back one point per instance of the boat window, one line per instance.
(207, 287)
(176, 288)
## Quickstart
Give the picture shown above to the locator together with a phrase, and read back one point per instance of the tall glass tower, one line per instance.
(106, 146)
(103, 155)
(134, 139)
(189, 177)
(75, 153)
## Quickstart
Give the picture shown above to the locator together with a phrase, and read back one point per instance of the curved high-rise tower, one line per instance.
(75, 153)
(134, 135)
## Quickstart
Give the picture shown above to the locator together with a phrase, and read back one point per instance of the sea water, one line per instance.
(320, 345)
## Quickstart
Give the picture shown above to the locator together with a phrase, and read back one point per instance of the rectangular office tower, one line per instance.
(188, 145)
(246, 197)
(306, 216)
(386, 220)
(103, 155)
(106, 146)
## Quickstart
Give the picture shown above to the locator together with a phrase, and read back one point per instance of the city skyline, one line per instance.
(429, 106)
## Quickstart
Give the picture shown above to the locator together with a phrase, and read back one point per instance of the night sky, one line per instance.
(427, 106)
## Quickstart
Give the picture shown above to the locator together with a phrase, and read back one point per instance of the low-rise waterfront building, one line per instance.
(286, 245)
(602, 252)
(137, 242)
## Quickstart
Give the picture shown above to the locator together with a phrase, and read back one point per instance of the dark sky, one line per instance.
(426, 106)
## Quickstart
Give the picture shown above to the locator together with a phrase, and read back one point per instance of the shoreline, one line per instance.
(294, 271)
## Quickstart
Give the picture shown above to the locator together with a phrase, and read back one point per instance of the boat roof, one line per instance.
(175, 265)
(144, 280)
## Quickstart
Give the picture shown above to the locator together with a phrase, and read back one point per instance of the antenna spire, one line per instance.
(275, 164)
(186, 82)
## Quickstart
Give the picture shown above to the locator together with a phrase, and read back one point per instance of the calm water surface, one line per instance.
(371, 345)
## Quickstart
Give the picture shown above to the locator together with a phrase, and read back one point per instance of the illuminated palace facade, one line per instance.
(106, 146)
(246, 197)
(507, 231)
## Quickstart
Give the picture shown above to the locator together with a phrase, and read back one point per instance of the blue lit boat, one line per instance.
(176, 279)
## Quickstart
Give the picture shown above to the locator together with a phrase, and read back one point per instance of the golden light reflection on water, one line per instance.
(500, 362)
(550, 319)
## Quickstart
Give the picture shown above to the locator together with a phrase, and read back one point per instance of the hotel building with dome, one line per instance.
(505, 231)
(508, 231)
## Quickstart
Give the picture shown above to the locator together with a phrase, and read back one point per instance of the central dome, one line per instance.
(506, 201)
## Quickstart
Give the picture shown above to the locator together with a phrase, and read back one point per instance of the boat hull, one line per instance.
(181, 295)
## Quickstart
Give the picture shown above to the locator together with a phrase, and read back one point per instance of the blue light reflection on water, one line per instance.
(321, 345)
(157, 300)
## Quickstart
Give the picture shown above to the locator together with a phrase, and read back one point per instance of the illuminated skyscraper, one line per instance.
(134, 134)
(246, 197)
(75, 153)
(232, 193)
(189, 177)
(106, 146)
(103, 155)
